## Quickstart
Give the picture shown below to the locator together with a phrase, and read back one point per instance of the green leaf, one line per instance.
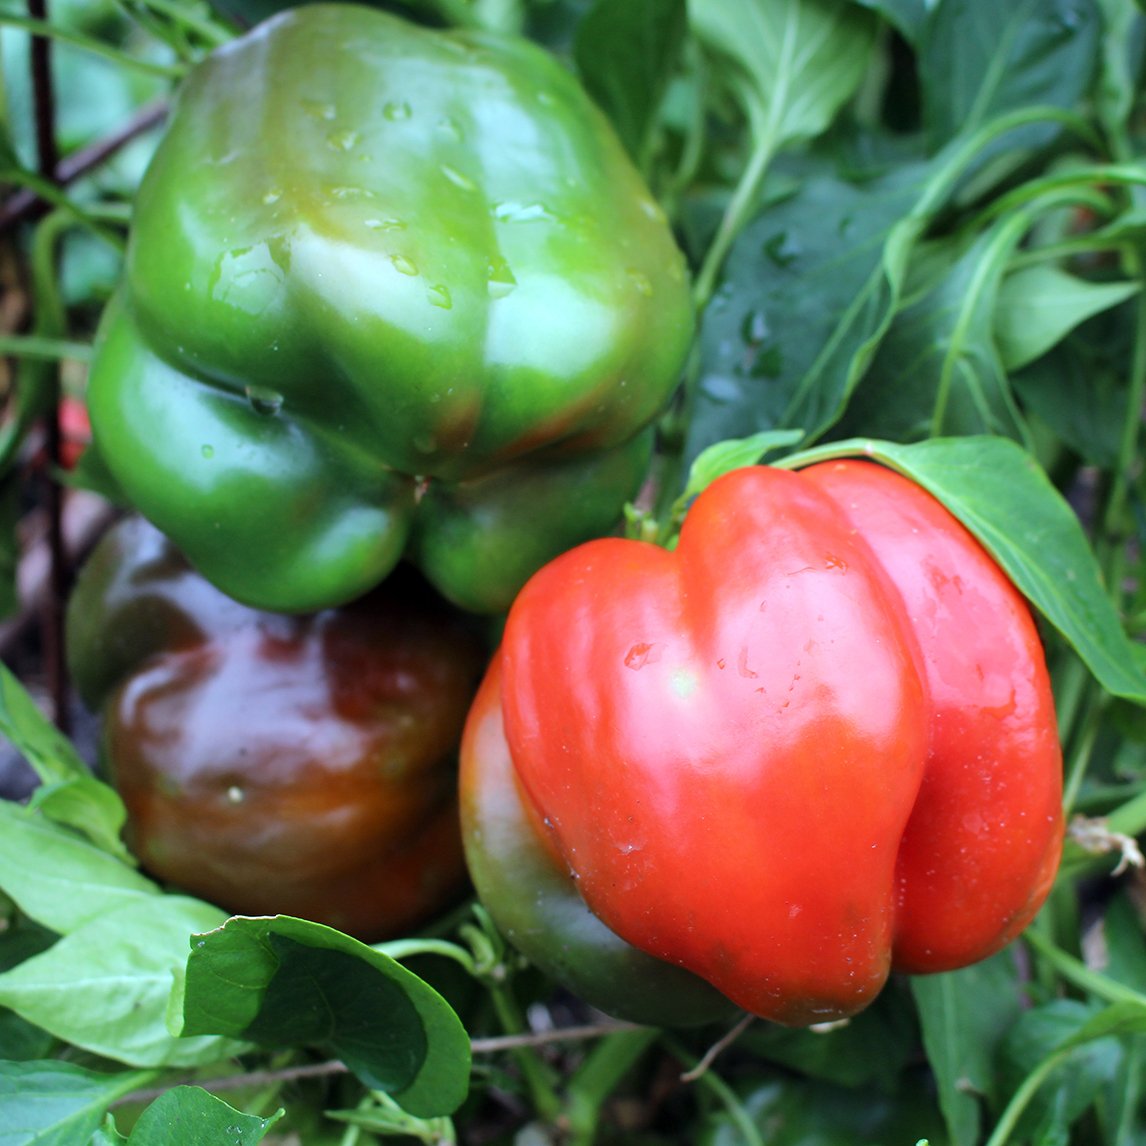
(286, 982)
(71, 881)
(57, 1104)
(626, 52)
(870, 1050)
(186, 1115)
(106, 986)
(801, 1112)
(937, 371)
(1009, 504)
(965, 1015)
(798, 60)
(908, 16)
(1123, 52)
(1038, 306)
(724, 457)
(1076, 1082)
(809, 290)
(107, 1134)
(44, 746)
(74, 797)
(19, 1039)
(89, 806)
(981, 58)
(1117, 1021)
(1122, 941)
(1081, 389)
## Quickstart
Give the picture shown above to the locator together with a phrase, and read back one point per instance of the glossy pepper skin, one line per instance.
(538, 909)
(302, 765)
(813, 744)
(389, 290)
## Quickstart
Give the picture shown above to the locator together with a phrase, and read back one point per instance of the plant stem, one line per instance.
(1080, 754)
(1076, 972)
(125, 59)
(399, 949)
(538, 1078)
(181, 13)
(78, 163)
(43, 348)
(727, 1097)
(44, 190)
(1022, 1097)
(735, 216)
(51, 322)
(598, 1076)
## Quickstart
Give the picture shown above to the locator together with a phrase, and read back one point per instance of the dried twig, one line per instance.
(261, 1078)
(86, 159)
(717, 1048)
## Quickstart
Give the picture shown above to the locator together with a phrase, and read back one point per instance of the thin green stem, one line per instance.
(179, 12)
(537, 1076)
(828, 452)
(1081, 750)
(1130, 1096)
(1130, 819)
(48, 349)
(1079, 975)
(735, 216)
(37, 383)
(724, 1094)
(89, 44)
(399, 949)
(1090, 244)
(128, 1084)
(1003, 243)
(1072, 683)
(599, 1076)
(46, 190)
(963, 152)
(1022, 1097)
(1080, 179)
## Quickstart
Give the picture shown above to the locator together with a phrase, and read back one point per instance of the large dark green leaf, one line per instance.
(980, 58)
(1081, 390)
(937, 371)
(809, 289)
(286, 982)
(908, 16)
(1091, 1035)
(626, 52)
(965, 1014)
(799, 1112)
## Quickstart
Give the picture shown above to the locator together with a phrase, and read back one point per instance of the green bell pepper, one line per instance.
(389, 291)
